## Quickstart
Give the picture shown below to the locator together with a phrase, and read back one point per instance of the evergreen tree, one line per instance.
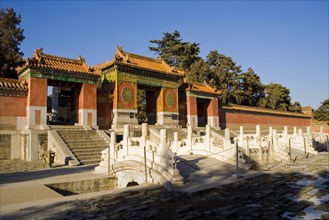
(295, 107)
(199, 72)
(276, 97)
(224, 72)
(322, 113)
(249, 90)
(10, 38)
(175, 52)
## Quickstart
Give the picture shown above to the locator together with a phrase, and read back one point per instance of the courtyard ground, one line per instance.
(293, 190)
(16, 166)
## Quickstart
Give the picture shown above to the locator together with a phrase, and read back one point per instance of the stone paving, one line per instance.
(14, 166)
(298, 190)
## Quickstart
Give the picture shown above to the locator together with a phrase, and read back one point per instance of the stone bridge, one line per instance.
(152, 153)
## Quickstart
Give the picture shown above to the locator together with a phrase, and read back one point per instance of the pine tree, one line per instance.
(199, 72)
(175, 52)
(249, 90)
(10, 39)
(224, 73)
(322, 113)
(276, 97)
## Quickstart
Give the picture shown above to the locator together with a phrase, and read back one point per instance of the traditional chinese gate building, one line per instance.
(126, 74)
(74, 96)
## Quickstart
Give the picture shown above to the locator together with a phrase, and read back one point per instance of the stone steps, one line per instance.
(86, 145)
(83, 152)
(89, 156)
(78, 136)
(66, 127)
(91, 161)
(89, 150)
(83, 140)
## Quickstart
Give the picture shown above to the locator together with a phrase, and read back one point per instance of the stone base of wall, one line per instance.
(12, 123)
(167, 118)
(5, 147)
(122, 117)
(29, 145)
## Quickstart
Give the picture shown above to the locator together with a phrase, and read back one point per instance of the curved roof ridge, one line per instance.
(38, 54)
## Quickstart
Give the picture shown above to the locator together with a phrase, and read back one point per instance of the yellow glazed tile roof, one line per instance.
(262, 110)
(12, 84)
(12, 87)
(142, 62)
(41, 60)
(202, 87)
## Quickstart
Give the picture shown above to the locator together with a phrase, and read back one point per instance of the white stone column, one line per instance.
(270, 131)
(208, 135)
(308, 130)
(189, 136)
(300, 132)
(241, 137)
(163, 142)
(275, 144)
(144, 134)
(270, 140)
(258, 135)
(175, 144)
(126, 131)
(227, 136)
(163, 136)
(295, 131)
(258, 142)
(144, 129)
(112, 152)
(285, 138)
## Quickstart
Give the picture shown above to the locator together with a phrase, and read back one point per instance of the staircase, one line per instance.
(86, 145)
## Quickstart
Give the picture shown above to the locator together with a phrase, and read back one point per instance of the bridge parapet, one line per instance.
(278, 144)
(141, 160)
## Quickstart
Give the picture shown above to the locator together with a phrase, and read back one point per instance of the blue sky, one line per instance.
(284, 42)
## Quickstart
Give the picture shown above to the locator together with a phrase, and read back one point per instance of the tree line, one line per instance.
(221, 72)
(218, 70)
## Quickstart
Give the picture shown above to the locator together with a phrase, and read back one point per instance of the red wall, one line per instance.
(317, 126)
(233, 118)
(87, 97)
(37, 95)
(12, 106)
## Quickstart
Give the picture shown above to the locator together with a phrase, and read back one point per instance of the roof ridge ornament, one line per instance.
(81, 59)
(119, 56)
(38, 54)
